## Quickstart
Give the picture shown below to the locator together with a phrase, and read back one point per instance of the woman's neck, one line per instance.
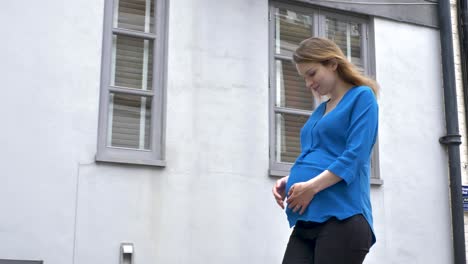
(337, 93)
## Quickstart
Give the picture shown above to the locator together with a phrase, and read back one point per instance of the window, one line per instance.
(290, 103)
(131, 113)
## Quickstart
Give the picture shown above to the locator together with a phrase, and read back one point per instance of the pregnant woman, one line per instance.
(327, 192)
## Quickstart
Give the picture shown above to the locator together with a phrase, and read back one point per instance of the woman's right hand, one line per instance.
(279, 191)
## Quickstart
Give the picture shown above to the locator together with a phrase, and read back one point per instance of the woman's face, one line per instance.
(320, 79)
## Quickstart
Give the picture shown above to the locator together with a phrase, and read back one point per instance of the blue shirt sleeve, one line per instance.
(361, 135)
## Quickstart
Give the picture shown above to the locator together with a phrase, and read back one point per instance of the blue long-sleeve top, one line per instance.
(340, 141)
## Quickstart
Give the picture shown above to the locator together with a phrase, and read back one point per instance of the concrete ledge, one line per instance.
(11, 261)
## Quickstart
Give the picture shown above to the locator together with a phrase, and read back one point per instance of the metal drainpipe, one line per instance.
(453, 138)
(462, 10)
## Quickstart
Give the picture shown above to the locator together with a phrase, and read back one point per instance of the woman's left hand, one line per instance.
(299, 196)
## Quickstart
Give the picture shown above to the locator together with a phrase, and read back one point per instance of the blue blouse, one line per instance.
(340, 141)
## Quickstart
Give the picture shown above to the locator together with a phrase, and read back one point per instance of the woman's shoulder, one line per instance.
(363, 89)
(364, 93)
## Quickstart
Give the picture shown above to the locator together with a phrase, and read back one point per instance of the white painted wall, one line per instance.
(414, 198)
(460, 106)
(50, 64)
(212, 203)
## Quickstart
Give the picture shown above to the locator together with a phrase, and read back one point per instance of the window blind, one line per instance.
(126, 121)
(132, 15)
(131, 68)
(291, 93)
(347, 35)
(288, 132)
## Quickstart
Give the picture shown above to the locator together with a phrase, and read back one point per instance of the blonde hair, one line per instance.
(324, 51)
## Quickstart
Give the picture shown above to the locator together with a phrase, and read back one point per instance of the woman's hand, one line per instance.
(279, 191)
(299, 196)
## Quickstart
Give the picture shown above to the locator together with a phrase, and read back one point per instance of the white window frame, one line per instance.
(318, 15)
(154, 156)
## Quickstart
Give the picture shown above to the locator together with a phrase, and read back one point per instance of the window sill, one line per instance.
(280, 173)
(376, 182)
(154, 163)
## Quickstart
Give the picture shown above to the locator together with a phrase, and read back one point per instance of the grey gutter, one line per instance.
(417, 12)
(462, 10)
(453, 138)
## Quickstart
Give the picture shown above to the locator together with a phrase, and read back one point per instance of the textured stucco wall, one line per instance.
(212, 203)
(50, 77)
(412, 162)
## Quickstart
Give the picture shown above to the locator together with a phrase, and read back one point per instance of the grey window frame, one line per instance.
(318, 15)
(156, 155)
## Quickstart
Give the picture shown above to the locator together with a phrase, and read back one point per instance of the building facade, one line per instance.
(460, 104)
(164, 124)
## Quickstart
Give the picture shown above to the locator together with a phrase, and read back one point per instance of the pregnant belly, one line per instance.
(302, 173)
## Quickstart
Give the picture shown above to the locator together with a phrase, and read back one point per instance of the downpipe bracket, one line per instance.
(450, 139)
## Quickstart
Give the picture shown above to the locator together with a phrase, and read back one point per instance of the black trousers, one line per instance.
(332, 242)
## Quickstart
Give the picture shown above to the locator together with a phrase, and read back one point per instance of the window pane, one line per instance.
(135, 15)
(290, 29)
(291, 91)
(129, 121)
(288, 127)
(347, 35)
(132, 62)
